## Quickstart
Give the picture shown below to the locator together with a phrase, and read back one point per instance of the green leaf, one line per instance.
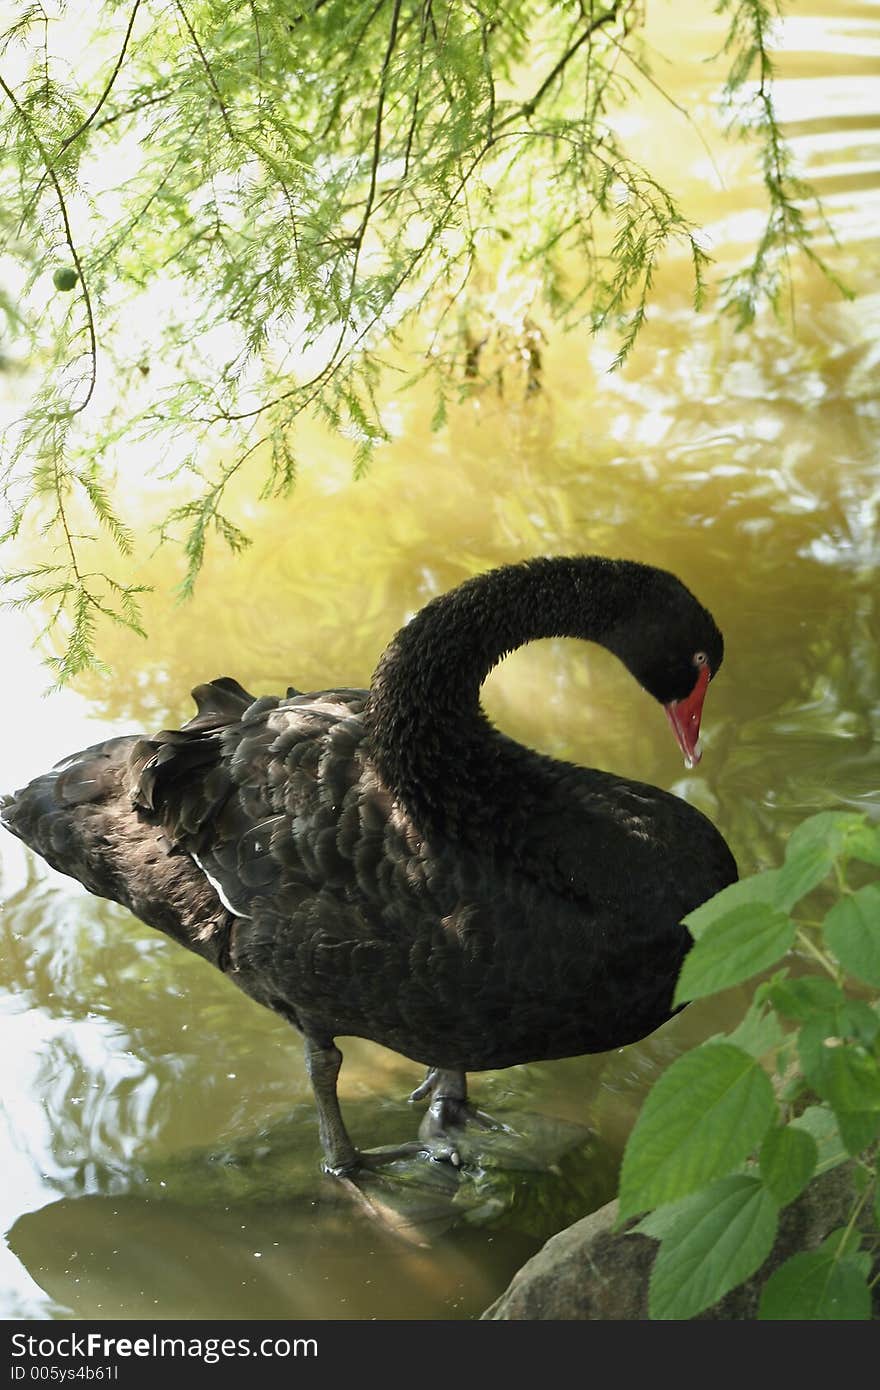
(827, 832)
(814, 847)
(857, 1019)
(662, 1220)
(852, 930)
(734, 947)
(846, 1241)
(788, 1160)
(858, 1128)
(758, 1032)
(843, 1072)
(841, 834)
(804, 997)
(862, 1179)
(837, 1061)
(802, 872)
(863, 842)
(816, 999)
(821, 1122)
(813, 1286)
(759, 888)
(706, 1114)
(719, 1237)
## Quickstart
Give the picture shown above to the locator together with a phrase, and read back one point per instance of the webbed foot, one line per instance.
(372, 1159)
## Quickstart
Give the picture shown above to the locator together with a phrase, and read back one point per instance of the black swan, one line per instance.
(386, 864)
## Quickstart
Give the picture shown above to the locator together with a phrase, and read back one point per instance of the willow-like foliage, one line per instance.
(279, 187)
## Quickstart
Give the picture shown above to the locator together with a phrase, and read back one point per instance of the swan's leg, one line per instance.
(341, 1158)
(322, 1064)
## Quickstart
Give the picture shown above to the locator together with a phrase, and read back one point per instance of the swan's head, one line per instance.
(673, 647)
(679, 679)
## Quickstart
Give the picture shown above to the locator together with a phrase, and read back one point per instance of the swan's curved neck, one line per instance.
(431, 740)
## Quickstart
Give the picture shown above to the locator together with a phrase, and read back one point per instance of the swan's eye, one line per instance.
(700, 659)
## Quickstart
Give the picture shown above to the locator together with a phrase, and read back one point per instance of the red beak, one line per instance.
(684, 716)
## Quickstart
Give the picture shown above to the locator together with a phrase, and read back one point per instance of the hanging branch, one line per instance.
(385, 127)
(71, 245)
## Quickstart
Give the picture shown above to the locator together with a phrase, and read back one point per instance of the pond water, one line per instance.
(157, 1136)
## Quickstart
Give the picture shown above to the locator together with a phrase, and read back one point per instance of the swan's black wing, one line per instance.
(260, 794)
(346, 920)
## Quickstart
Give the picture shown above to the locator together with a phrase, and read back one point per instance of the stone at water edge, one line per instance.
(591, 1272)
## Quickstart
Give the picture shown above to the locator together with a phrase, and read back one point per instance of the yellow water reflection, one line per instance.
(745, 463)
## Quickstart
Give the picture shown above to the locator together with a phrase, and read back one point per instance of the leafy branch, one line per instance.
(34, 135)
(716, 1153)
(300, 188)
(748, 95)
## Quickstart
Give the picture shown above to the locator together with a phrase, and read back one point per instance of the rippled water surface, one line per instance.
(157, 1137)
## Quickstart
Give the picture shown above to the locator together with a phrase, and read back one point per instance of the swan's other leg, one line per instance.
(449, 1103)
(322, 1063)
(449, 1108)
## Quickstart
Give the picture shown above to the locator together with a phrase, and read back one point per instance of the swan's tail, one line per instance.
(65, 814)
(80, 817)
